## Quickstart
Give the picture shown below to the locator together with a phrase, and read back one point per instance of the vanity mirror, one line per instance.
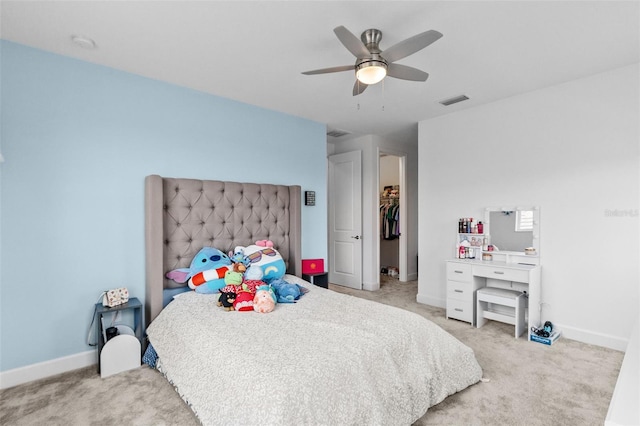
(514, 230)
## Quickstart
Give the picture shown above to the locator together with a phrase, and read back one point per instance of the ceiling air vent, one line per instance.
(337, 133)
(454, 100)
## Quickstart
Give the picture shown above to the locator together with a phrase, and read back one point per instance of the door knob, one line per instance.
(357, 237)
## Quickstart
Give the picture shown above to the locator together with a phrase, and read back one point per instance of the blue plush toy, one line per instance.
(264, 257)
(287, 292)
(206, 273)
(239, 257)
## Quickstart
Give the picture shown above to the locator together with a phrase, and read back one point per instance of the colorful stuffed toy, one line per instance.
(264, 300)
(233, 278)
(240, 263)
(244, 301)
(226, 299)
(287, 292)
(239, 267)
(264, 257)
(254, 274)
(251, 285)
(206, 273)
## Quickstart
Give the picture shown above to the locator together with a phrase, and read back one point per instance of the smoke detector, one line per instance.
(84, 42)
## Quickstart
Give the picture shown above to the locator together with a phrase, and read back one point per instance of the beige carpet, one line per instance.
(569, 383)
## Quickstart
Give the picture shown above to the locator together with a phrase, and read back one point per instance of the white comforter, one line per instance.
(329, 359)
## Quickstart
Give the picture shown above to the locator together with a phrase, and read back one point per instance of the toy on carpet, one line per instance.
(287, 292)
(264, 300)
(206, 272)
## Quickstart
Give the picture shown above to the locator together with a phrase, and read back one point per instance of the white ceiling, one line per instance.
(254, 52)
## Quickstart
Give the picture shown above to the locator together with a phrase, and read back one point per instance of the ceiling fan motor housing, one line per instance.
(371, 39)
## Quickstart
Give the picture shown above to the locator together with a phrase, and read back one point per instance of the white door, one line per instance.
(345, 219)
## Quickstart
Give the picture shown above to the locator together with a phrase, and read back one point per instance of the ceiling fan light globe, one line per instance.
(371, 72)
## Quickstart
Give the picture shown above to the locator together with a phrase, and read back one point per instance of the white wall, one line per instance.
(389, 171)
(371, 146)
(571, 149)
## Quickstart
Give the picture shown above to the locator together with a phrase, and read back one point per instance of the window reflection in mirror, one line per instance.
(511, 230)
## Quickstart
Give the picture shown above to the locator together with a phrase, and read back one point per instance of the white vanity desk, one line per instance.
(504, 229)
(466, 276)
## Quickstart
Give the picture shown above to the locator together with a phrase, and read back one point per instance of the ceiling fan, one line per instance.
(373, 64)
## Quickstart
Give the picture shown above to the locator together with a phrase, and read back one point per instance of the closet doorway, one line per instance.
(392, 220)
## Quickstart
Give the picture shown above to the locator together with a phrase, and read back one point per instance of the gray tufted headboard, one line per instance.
(184, 215)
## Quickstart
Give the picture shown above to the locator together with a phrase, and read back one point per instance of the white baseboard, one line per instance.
(568, 332)
(412, 276)
(593, 338)
(371, 286)
(432, 301)
(45, 369)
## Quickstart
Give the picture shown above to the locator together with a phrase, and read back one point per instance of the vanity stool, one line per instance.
(503, 297)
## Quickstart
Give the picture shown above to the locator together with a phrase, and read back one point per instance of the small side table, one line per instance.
(133, 304)
(321, 279)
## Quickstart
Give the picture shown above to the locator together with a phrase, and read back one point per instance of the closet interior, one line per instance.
(389, 215)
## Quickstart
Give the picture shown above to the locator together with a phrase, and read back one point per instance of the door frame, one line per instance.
(403, 247)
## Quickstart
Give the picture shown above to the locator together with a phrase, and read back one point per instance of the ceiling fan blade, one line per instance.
(410, 46)
(351, 42)
(359, 87)
(404, 72)
(332, 69)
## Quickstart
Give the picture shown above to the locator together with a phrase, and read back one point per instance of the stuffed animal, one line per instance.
(226, 299)
(244, 301)
(232, 278)
(264, 300)
(263, 256)
(287, 292)
(240, 262)
(239, 267)
(251, 285)
(254, 274)
(206, 273)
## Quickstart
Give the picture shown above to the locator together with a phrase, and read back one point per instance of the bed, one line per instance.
(330, 358)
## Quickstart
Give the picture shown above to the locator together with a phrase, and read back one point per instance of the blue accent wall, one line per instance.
(78, 140)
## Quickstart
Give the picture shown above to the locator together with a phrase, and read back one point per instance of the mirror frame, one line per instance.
(536, 226)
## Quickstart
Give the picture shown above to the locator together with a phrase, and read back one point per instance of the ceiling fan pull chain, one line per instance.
(382, 95)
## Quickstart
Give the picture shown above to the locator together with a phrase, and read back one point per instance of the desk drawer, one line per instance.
(499, 273)
(460, 310)
(460, 291)
(458, 272)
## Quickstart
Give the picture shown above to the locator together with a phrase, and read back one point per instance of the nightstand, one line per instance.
(101, 312)
(321, 279)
